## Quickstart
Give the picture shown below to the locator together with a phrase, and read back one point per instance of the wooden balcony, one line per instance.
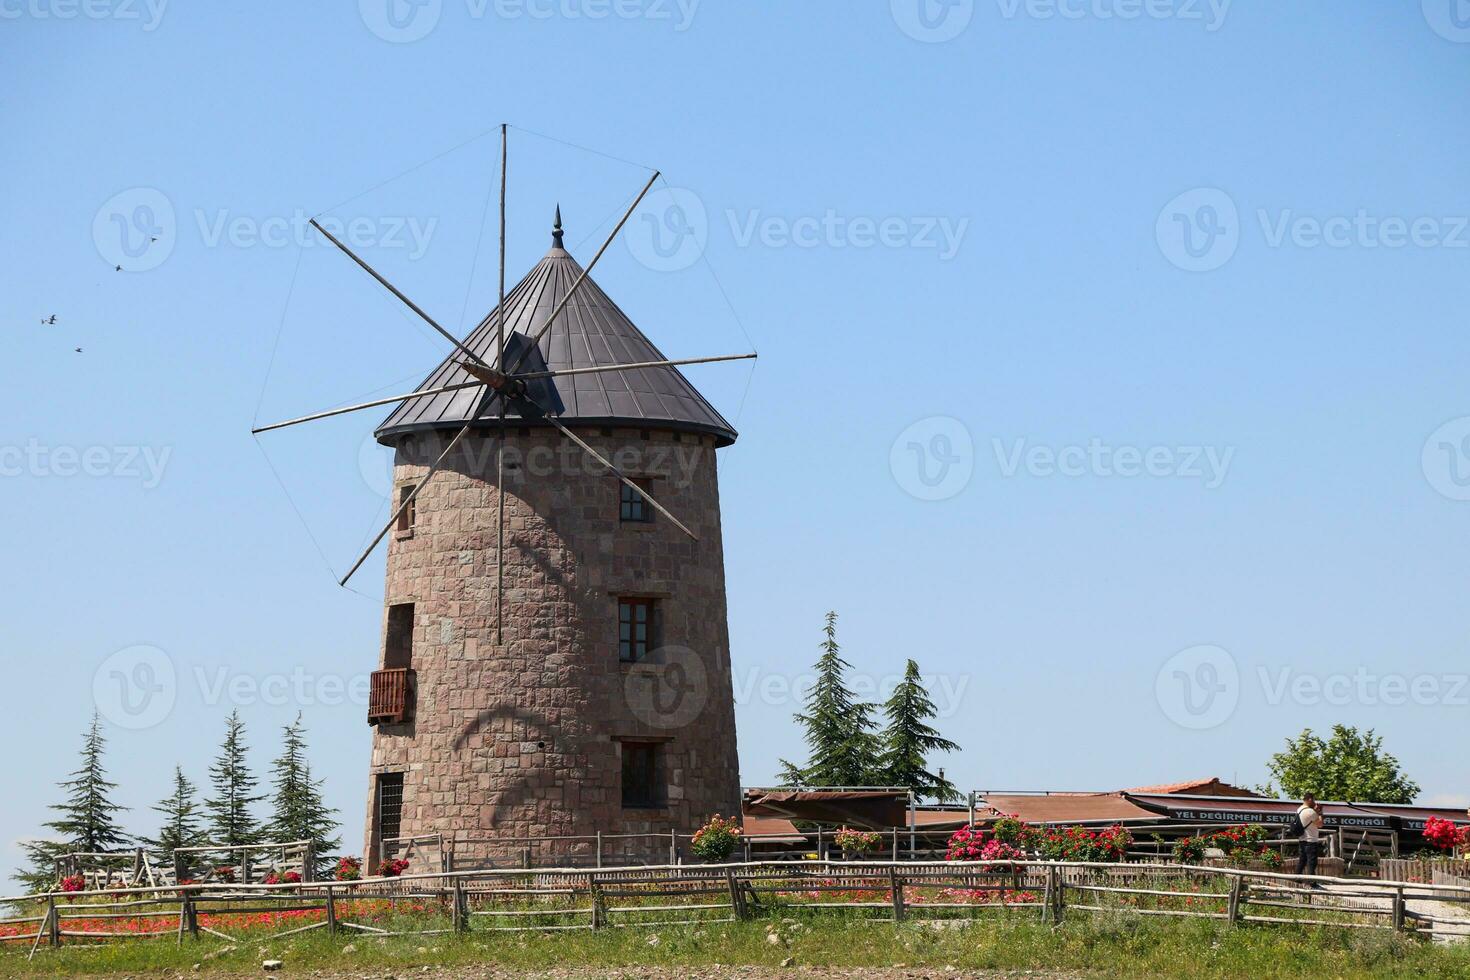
(390, 698)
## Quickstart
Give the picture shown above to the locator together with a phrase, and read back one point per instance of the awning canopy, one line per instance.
(870, 809)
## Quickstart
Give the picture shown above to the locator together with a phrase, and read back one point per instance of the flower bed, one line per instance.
(1244, 846)
(1010, 838)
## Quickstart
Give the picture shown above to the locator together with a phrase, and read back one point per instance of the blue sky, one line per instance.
(1112, 355)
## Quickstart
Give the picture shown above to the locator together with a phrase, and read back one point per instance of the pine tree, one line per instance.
(840, 731)
(181, 826)
(908, 739)
(84, 821)
(298, 811)
(229, 819)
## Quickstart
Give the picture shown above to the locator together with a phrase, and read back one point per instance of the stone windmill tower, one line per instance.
(555, 657)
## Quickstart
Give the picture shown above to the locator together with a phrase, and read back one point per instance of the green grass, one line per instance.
(1108, 945)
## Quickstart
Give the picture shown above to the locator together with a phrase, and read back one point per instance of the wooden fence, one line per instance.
(546, 900)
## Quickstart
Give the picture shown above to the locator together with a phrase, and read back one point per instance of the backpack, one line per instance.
(1294, 826)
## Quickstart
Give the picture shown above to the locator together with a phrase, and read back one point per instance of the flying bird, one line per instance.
(46, 321)
(77, 349)
(117, 268)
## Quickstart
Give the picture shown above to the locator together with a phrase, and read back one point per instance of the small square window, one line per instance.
(637, 629)
(633, 508)
(407, 512)
(642, 775)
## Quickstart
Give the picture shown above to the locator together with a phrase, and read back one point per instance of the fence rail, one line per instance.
(549, 900)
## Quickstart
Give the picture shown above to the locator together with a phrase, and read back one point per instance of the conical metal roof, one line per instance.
(589, 332)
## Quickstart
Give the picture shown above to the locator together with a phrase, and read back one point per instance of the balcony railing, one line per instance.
(390, 698)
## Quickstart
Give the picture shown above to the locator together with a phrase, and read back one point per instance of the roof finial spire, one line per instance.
(556, 229)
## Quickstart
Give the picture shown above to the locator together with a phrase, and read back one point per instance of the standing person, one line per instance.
(1309, 816)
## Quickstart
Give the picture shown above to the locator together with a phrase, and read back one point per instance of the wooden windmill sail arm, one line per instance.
(482, 374)
(621, 476)
(397, 292)
(404, 504)
(362, 405)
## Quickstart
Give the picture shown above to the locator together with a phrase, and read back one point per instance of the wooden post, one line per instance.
(1059, 912)
(821, 847)
(599, 848)
(895, 844)
(331, 912)
(53, 931)
(460, 915)
(526, 856)
(244, 867)
(599, 916)
(673, 847)
(896, 884)
(737, 902)
(193, 915)
(1398, 909)
(1232, 905)
(747, 850)
(308, 862)
(1048, 894)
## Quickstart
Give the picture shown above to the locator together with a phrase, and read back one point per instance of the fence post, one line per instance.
(308, 862)
(895, 844)
(737, 902)
(193, 912)
(599, 916)
(331, 912)
(747, 850)
(1048, 894)
(1059, 912)
(53, 931)
(599, 848)
(244, 867)
(673, 847)
(1232, 905)
(1398, 909)
(821, 847)
(526, 856)
(461, 907)
(896, 884)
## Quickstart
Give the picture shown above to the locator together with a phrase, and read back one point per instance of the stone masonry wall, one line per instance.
(517, 734)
